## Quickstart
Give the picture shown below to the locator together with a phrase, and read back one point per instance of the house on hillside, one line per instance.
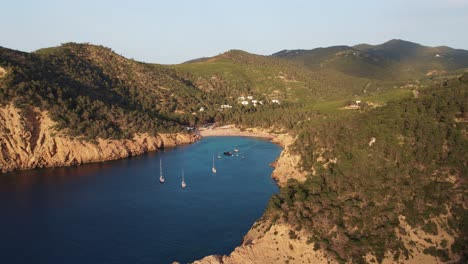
(225, 106)
(249, 97)
(274, 101)
(245, 102)
(353, 105)
(241, 98)
(202, 109)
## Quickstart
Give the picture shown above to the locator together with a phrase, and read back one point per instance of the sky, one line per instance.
(174, 31)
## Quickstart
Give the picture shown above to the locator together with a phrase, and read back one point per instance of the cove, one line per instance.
(118, 212)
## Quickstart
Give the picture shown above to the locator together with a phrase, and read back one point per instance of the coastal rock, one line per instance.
(287, 166)
(266, 243)
(28, 139)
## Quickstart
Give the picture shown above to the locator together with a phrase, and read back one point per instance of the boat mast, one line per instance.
(160, 167)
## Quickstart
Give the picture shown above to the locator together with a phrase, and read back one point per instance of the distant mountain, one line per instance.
(395, 59)
(341, 58)
(274, 76)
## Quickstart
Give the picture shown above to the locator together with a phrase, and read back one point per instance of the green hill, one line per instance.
(92, 91)
(359, 188)
(277, 78)
(395, 59)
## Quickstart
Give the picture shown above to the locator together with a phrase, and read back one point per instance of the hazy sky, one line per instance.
(174, 31)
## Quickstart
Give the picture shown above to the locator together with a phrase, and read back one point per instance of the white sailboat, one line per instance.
(161, 178)
(213, 169)
(183, 184)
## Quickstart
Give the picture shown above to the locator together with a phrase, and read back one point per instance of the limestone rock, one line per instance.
(31, 141)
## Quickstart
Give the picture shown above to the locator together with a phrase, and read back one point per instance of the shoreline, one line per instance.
(32, 141)
(259, 244)
(233, 131)
(285, 166)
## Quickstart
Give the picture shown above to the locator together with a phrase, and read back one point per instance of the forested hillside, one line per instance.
(404, 161)
(91, 91)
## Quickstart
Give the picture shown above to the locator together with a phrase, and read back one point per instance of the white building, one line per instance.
(254, 101)
(202, 109)
(241, 98)
(358, 102)
(225, 106)
(249, 97)
(274, 101)
(245, 102)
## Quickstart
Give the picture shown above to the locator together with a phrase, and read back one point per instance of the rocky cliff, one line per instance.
(28, 139)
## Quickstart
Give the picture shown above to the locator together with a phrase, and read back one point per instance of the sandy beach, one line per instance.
(232, 130)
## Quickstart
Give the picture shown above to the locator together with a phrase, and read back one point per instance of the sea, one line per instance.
(119, 212)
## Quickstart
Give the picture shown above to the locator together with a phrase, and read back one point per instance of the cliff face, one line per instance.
(265, 244)
(287, 165)
(29, 140)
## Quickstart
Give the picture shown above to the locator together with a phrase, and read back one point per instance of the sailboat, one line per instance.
(213, 169)
(161, 178)
(183, 184)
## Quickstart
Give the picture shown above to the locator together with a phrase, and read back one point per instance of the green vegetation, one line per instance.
(93, 92)
(356, 188)
(352, 204)
(395, 59)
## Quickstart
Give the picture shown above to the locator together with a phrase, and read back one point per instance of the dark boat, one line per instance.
(227, 153)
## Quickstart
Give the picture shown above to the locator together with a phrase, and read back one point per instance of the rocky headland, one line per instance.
(29, 139)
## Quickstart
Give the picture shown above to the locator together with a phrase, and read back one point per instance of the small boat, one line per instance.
(183, 184)
(161, 178)
(219, 156)
(227, 153)
(243, 157)
(213, 169)
(236, 150)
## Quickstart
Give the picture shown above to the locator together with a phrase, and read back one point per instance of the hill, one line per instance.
(239, 73)
(92, 91)
(395, 59)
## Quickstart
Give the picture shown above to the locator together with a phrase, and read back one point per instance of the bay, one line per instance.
(118, 212)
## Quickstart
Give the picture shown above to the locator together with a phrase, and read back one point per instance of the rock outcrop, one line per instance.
(29, 140)
(265, 244)
(287, 166)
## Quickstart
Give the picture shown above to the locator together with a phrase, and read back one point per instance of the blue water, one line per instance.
(118, 212)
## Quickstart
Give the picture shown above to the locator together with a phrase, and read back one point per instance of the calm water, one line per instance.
(118, 212)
